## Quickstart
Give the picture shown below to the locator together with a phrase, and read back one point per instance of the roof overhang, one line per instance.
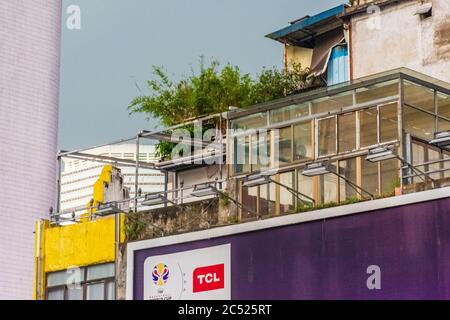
(303, 31)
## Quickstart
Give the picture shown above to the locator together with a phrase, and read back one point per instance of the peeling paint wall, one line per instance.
(396, 37)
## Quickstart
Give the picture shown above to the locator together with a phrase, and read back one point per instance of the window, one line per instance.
(369, 176)
(289, 113)
(250, 201)
(443, 103)
(388, 122)
(347, 168)
(95, 282)
(304, 185)
(241, 154)
(418, 96)
(303, 148)
(254, 121)
(347, 132)
(267, 199)
(377, 91)
(285, 145)
(389, 176)
(327, 136)
(286, 196)
(260, 151)
(368, 127)
(332, 103)
(328, 188)
(418, 123)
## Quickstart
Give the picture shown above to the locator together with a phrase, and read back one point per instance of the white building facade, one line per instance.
(29, 85)
(79, 176)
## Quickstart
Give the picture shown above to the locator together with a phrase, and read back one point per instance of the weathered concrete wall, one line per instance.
(403, 39)
(29, 82)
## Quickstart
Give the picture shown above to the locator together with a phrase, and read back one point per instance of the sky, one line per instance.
(106, 63)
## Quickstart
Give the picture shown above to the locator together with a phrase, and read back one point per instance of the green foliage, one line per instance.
(224, 199)
(215, 89)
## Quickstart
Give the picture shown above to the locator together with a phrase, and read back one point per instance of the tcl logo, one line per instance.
(209, 278)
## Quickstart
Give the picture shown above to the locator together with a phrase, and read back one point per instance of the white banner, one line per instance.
(202, 274)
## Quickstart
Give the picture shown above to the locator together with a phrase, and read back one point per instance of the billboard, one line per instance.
(395, 248)
(195, 274)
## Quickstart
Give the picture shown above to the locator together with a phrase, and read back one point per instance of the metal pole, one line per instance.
(294, 192)
(136, 176)
(58, 186)
(116, 251)
(353, 185)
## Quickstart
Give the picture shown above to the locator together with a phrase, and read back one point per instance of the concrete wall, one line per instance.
(29, 81)
(299, 55)
(403, 40)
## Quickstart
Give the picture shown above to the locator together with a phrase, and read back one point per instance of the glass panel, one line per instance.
(388, 122)
(368, 127)
(249, 200)
(241, 154)
(328, 183)
(254, 121)
(110, 290)
(443, 102)
(284, 145)
(443, 125)
(419, 96)
(75, 293)
(434, 155)
(418, 156)
(64, 277)
(347, 168)
(347, 132)
(327, 136)
(57, 278)
(260, 151)
(267, 199)
(389, 176)
(369, 176)
(288, 113)
(55, 294)
(286, 196)
(96, 291)
(304, 185)
(377, 91)
(332, 103)
(100, 271)
(418, 123)
(303, 148)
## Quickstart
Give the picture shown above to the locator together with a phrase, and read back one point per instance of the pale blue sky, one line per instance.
(120, 41)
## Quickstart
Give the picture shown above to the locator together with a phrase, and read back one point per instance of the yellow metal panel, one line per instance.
(81, 244)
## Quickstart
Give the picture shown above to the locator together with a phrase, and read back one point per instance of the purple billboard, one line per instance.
(400, 252)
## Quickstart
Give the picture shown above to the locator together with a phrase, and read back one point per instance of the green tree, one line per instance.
(214, 89)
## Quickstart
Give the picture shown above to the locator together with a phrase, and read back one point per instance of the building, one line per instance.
(29, 84)
(340, 192)
(78, 176)
(369, 37)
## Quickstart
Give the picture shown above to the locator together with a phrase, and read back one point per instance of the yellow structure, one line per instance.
(86, 243)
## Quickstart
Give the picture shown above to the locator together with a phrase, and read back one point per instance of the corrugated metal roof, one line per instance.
(305, 26)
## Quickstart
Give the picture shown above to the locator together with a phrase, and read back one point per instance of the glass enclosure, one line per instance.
(340, 125)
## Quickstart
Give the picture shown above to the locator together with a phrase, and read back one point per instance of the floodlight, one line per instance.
(441, 139)
(381, 153)
(316, 169)
(106, 209)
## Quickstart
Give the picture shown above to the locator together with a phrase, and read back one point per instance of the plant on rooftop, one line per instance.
(213, 89)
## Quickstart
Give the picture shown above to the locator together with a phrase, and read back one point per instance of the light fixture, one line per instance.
(387, 152)
(207, 189)
(106, 209)
(255, 180)
(322, 167)
(381, 153)
(441, 139)
(154, 199)
(261, 178)
(316, 169)
(204, 190)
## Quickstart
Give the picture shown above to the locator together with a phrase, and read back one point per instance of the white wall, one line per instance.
(29, 82)
(403, 40)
